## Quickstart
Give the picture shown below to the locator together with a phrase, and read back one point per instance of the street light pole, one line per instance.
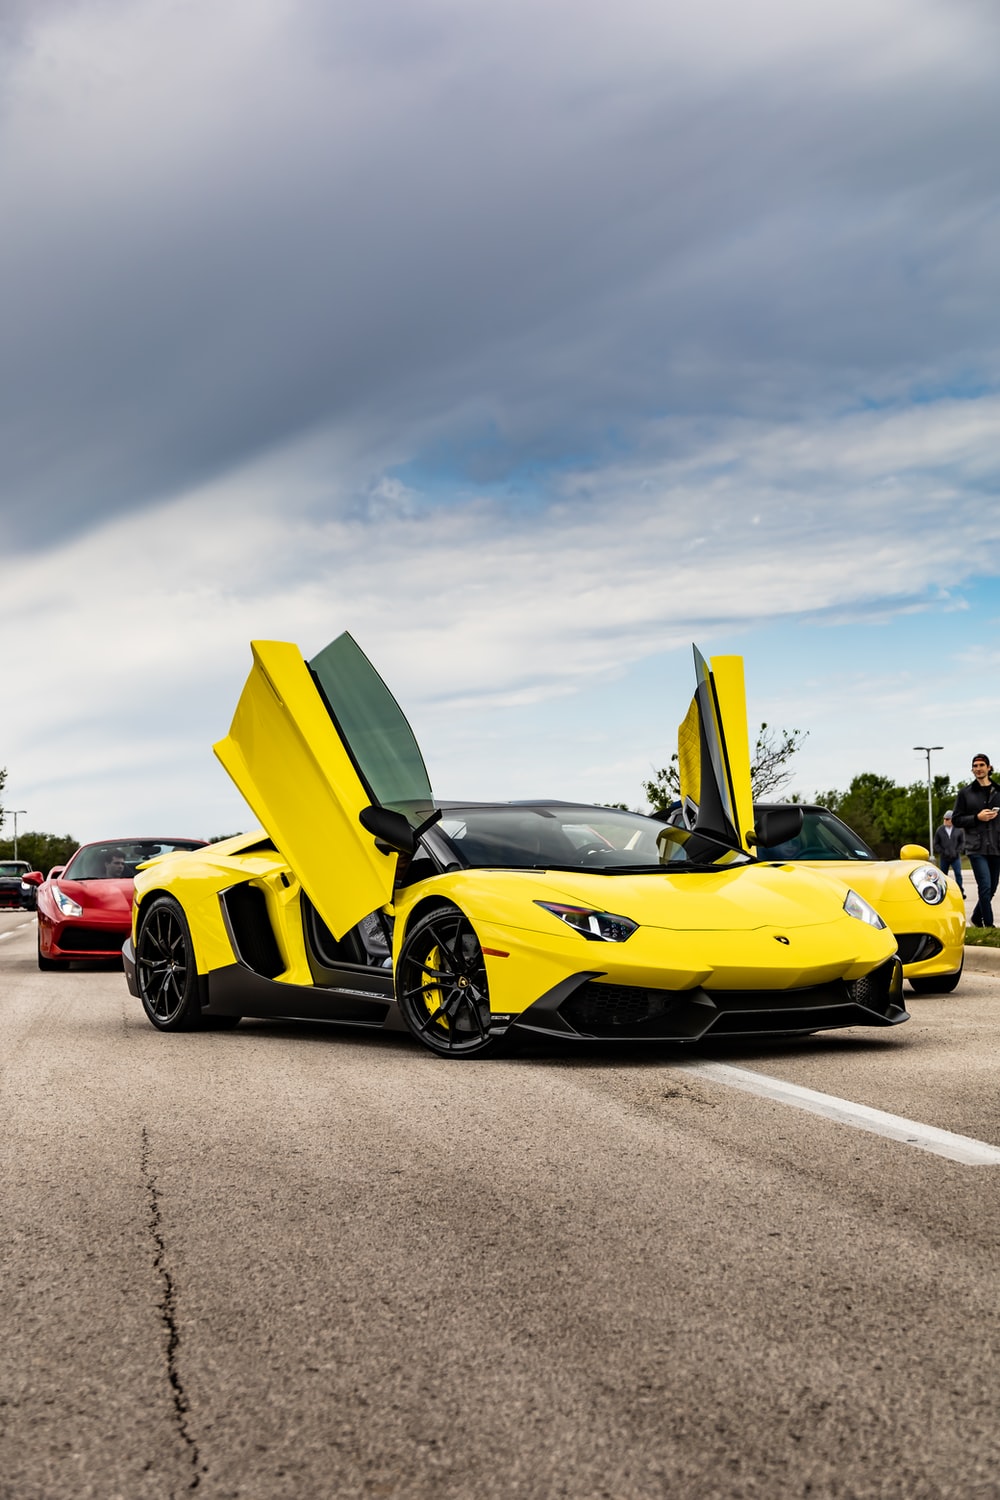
(16, 812)
(930, 805)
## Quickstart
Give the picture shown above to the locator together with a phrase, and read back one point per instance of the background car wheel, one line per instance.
(441, 985)
(46, 964)
(165, 968)
(936, 986)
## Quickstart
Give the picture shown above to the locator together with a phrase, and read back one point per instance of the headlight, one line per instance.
(597, 926)
(930, 884)
(857, 906)
(66, 904)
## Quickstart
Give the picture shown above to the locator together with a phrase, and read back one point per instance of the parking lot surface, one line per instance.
(297, 1261)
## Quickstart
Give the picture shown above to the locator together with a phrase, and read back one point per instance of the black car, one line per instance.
(12, 872)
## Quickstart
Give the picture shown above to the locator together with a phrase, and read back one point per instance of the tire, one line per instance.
(165, 971)
(47, 965)
(441, 986)
(931, 985)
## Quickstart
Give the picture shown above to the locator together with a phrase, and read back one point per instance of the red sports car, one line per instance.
(85, 909)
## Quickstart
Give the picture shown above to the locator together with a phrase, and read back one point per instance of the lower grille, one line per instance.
(595, 1006)
(914, 947)
(92, 939)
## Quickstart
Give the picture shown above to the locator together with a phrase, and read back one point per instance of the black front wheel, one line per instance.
(441, 985)
(165, 970)
(932, 985)
(47, 965)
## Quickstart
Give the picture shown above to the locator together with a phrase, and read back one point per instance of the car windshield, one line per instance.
(599, 839)
(119, 860)
(823, 836)
(12, 867)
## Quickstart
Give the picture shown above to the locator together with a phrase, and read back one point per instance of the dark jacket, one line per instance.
(980, 838)
(949, 842)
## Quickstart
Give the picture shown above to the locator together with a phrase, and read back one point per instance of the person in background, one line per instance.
(977, 807)
(949, 846)
(114, 865)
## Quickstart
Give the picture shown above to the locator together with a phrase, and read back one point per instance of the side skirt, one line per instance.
(362, 998)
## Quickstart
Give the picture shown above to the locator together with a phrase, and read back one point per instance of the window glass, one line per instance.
(823, 836)
(547, 835)
(119, 859)
(372, 726)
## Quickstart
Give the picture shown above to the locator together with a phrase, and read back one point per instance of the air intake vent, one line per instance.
(249, 924)
(594, 1007)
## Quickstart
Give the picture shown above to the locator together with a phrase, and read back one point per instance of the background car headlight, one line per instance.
(931, 886)
(598, 926)
(66, 904)
(857, 906)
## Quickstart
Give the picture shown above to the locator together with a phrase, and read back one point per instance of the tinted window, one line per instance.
(119, 859)
(547, 835)
(372, 726)
(823, 836)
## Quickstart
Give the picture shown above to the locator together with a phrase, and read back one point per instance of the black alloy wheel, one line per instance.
(165, 968)
(441, 985)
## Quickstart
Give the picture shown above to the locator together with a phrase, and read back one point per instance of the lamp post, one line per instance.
(930, 806)
(16, 812)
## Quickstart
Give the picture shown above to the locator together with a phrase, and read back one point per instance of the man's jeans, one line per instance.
(986, 869)
(950, 863)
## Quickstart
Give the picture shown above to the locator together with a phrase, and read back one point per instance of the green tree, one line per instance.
(769, 768)
(41, 850)
(888, 816)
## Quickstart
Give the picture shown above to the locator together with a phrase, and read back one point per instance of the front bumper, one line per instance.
(585, 1007)
(81, 941)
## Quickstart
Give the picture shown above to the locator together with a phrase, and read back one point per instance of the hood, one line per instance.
(879, 881)
(99, 895)
(740, 900)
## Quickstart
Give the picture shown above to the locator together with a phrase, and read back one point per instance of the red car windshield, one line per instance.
(119, 860)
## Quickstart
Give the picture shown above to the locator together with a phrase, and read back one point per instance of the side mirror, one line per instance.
(776, 826)
(32, 877)
(913, 851)
(393, 834)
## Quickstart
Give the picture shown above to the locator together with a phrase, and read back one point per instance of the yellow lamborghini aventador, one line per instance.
(365, 901)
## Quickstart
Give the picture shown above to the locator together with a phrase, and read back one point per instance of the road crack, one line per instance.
(167, 1307)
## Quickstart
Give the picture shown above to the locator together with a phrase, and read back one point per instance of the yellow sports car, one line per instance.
(922, 908)
(367, 902)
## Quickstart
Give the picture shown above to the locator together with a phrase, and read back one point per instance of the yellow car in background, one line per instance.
(921, 906)
(364, 901)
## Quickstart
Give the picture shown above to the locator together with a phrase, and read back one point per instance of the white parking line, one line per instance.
(961, 1148)
(13, 931)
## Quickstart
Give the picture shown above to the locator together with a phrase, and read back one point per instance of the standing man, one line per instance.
(976, 810)
(949, 846)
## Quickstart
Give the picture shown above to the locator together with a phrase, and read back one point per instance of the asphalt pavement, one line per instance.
(291, 1261)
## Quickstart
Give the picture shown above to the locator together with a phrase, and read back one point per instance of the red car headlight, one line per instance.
(66, 904)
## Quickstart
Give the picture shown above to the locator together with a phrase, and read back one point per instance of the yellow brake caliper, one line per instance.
(431, 992)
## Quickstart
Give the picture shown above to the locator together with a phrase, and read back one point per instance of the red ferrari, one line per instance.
(85, 909)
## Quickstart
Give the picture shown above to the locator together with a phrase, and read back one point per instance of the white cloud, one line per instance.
(529, 342)
(471, 610)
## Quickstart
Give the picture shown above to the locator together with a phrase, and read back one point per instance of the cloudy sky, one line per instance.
(530, 342)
